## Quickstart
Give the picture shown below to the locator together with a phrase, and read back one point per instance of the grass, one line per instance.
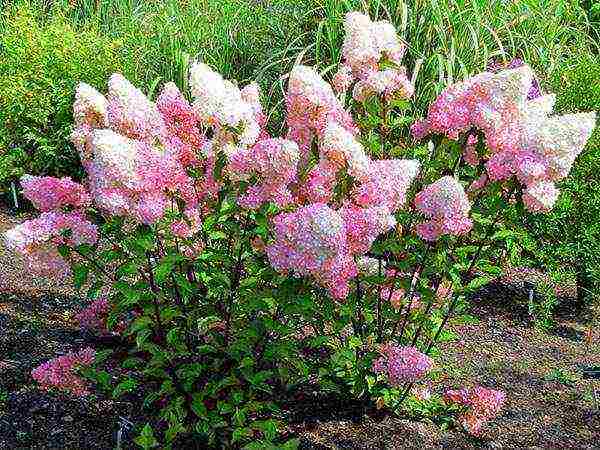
(261, 40)
(456, 38)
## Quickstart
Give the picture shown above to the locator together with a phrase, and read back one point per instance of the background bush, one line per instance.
(568, 239)
(40, 64)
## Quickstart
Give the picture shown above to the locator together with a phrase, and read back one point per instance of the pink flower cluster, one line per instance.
(524, 139)
(137, 153)
(94, 317)
(387, 183)
(402, 364)
(340, 149)
(311, 106)
(182, 132)
(37, 240)
(364, 225)
(222, 105)
(48, 193)
(60, 373)
(273, 162)
(446, 206)
(319, 241)
(482, 405)
(366, 45)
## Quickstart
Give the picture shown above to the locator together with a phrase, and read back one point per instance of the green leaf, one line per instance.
(146, 438)
(217, 235)
(80, 275)
(164, 268)
(127, 385)
(198, 406)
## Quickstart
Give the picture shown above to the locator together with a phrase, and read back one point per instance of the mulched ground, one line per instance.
(549, 405)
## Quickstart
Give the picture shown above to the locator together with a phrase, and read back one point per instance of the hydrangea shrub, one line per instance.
(239, 266)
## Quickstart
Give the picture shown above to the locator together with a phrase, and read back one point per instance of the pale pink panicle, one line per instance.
(367, 43)
(318, 185)
(447, 206)
(524, 139)
(493, 103)
(387, 183)
(402, 364)
(364, 225)
(131, 114)
(341, 149)
(61, 372)
(540, 197)
(251, 95)
(183, 134)
(48, 193)
(273, 162)
(131, 178)
(89, 107)
(481, 404)
(342, 79)
(37, 240)
(150, 207)
(392, 83)
(89, 112)
(311, 105)
(369, 266)
(361, 91)
(219, 103)
(312, 241)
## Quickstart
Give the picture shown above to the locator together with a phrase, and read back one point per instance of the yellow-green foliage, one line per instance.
(40, 65)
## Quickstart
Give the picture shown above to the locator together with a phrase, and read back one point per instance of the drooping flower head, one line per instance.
(447, 206)
(482, 405)
(61, 372)
(402, 364)
(48, 193)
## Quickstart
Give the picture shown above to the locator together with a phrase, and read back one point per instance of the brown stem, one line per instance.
(413, 282)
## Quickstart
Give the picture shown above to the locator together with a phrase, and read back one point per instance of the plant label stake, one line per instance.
(13, 188)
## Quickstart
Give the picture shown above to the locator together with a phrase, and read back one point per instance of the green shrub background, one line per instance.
(40, 65)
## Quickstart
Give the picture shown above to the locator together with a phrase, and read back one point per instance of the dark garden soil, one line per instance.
(549, 405)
